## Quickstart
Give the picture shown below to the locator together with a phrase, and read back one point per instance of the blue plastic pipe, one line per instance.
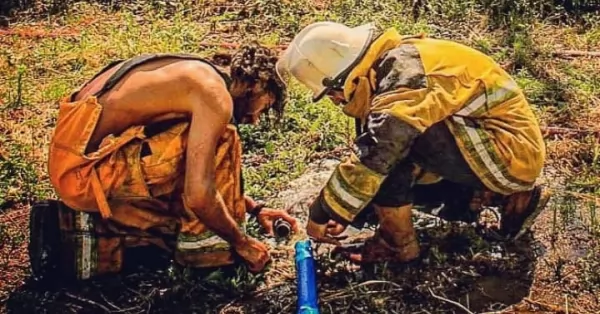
(307, 281)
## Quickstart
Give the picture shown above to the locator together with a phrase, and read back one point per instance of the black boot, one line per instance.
(520, 210)
(44, 241)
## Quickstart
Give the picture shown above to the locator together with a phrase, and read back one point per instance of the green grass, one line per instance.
(306, 129)
(39, 72)
(56, 66)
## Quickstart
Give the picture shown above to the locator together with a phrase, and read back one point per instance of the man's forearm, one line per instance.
(251, 204)
(218, 220)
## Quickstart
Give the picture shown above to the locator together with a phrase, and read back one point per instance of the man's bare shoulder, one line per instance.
(210, 89)
(172, 84)
(201, 76)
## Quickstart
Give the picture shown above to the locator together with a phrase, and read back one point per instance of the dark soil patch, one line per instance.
(456, 264)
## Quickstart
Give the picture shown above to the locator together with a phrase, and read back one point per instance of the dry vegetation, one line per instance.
(48, 48)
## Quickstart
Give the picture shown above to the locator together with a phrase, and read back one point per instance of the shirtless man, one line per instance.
(146, 153)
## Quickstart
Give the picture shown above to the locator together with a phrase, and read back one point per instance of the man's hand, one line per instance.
(254, 252)
(267, 216)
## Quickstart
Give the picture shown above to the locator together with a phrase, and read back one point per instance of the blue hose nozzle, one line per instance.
(307, 281)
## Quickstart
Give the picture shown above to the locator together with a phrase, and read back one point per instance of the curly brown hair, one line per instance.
(254, 62)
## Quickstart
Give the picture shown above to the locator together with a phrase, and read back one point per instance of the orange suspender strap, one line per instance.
(105, 211)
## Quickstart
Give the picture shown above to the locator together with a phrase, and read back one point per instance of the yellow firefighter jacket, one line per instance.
(427, 81)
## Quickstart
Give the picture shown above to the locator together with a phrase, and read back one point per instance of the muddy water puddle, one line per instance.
(495, 292)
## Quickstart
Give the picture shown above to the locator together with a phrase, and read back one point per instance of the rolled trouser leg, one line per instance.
(66, 244)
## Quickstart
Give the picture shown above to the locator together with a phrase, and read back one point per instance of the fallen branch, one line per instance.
(450, 301)
(236, 46)
(344, 293)
(372, 282)
(117, 309)
(264, 290)
(551, 130)
(575, 53)
(227, 306)
(104, 308)
(586, 196)
(11, 218)
(550, 307)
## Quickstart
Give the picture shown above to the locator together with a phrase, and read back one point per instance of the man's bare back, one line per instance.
(155, 91)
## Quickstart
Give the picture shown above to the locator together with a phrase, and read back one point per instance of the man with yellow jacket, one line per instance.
(427, 110)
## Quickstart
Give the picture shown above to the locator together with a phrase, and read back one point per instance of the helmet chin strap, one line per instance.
(337, 83)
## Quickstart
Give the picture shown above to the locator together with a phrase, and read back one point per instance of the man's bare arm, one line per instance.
(250, 203)
(211, 113)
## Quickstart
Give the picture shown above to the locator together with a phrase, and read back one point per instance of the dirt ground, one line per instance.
(538, 274)
(527, 276)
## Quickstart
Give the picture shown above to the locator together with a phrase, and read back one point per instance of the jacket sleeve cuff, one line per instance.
(317, 212)
(320, 212)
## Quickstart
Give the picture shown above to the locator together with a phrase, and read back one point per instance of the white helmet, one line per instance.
(322, 55)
